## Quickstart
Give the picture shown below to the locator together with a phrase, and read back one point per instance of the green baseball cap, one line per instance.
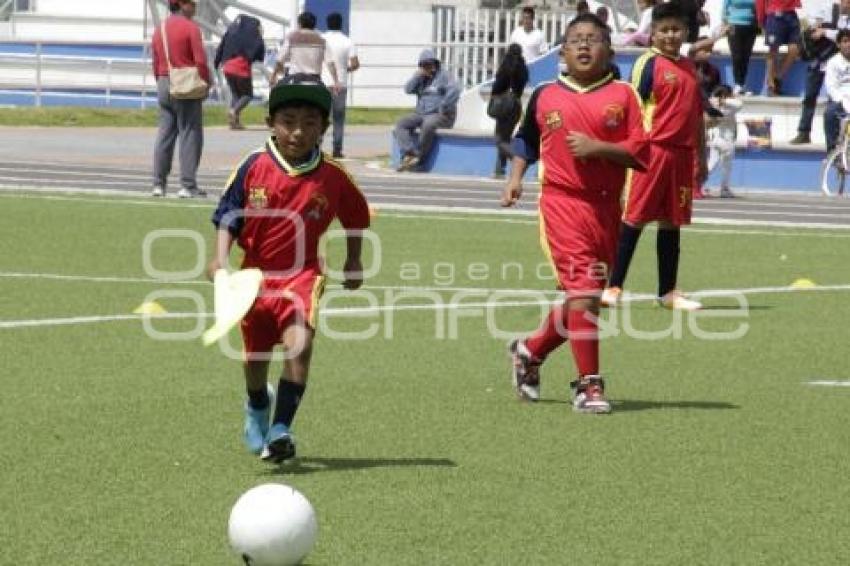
(302, 88)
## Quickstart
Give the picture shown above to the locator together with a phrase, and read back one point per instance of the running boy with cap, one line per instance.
(278, 203)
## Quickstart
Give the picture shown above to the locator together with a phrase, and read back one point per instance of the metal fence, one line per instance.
(470, 42)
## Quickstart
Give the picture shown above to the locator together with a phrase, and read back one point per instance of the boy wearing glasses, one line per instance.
(672, 101)
(586, 130)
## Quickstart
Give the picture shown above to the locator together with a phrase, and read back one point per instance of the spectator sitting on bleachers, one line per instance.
(437, 94)
(837, 81)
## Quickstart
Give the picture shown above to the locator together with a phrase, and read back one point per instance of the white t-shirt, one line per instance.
(837, 80)
(341, 50)
(726, 127)
(304, 51)
(533, 43)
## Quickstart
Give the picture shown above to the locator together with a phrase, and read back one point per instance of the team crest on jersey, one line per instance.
(317, 206)
(257, 197)
(614, 115)
(670, 77)
(553, 120)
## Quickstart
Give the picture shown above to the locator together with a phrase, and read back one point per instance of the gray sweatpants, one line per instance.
(427, 124)
(338, 116)
(181, 119)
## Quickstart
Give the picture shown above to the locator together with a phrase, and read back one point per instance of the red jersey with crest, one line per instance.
(671, 97)
(278, 212)
(580, 200)
(608, 110)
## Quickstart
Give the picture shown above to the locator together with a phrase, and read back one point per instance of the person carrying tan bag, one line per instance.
(182, 80)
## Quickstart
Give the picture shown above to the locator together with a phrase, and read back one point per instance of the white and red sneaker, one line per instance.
(589, 395)
(525, 372)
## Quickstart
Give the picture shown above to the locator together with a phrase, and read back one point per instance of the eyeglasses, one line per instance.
(590, 41)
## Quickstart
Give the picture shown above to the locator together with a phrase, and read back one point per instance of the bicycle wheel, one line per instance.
(833, 174)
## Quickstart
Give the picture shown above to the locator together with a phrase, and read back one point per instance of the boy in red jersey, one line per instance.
(673, 108)
(277, 205)
(586, 130)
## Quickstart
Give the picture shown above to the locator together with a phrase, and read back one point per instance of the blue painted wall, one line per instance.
(324, 7)
(546, 68)
(779, 170)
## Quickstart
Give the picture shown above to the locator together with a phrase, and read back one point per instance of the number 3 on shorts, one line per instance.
(684, 196)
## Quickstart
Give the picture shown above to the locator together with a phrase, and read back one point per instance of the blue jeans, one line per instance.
(832, 123)
(814, 82)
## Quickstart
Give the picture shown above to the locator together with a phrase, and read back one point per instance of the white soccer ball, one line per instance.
(272, 525)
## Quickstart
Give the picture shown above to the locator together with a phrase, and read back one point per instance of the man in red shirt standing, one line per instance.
(178, 118)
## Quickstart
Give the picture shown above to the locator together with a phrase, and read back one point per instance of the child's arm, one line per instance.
(525, 149)
(702, 164)
(513, 189)
(229, 217)
(223, 243)
(585, 147)
(353, 269)
(353, 214)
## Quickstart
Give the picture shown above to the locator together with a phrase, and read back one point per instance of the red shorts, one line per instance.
(664, 191)
(280, 303)
(580, 238)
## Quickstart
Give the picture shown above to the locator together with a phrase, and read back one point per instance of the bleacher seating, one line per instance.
(468, 149)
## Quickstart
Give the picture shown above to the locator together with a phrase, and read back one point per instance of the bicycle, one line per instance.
(834, 169)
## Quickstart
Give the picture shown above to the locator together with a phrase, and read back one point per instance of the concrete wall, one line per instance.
(92, 8)
(388, 44)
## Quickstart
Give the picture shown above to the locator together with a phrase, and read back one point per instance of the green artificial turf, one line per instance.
(214, 115)
(121, 449)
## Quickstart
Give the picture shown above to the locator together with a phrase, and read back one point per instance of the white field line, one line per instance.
(836, 213)
(825, 383)
(354, 311)
(816, 204)
(110, 172)
(434, 212)
(627, 297)
(687, 230)
(152, 281)
(121, 197)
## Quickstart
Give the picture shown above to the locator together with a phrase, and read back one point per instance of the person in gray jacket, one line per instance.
(437, 94)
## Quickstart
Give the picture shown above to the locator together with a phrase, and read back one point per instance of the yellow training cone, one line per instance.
(803, 284)
(150, 308)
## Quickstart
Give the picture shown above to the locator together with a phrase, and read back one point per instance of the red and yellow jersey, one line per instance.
(278, 212)
(608, 110)
(671, 97)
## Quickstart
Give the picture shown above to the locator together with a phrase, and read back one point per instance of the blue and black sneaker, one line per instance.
(280, 444)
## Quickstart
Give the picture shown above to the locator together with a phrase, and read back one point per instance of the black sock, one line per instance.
(667, 247)
(629, 236)
(289, 396)
(258, 399)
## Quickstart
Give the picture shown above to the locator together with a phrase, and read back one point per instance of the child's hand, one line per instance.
(580, 145)
(511, 193)
(353, 272)
(212, 267)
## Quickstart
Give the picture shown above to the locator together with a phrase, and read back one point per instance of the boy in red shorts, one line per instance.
(586, 130)
(673, 107)
(277, 205)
